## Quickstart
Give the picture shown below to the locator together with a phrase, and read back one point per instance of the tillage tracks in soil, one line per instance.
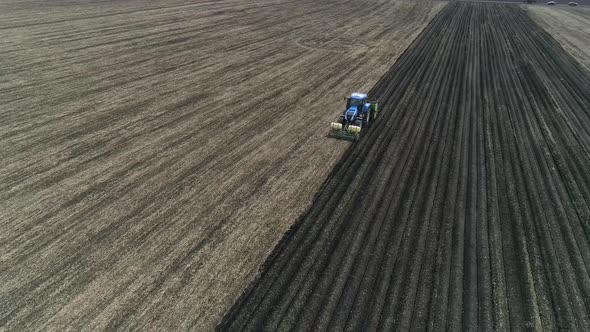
(465, 206)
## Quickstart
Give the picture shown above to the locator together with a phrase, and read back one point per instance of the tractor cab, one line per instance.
(355, 106)
(356, 99)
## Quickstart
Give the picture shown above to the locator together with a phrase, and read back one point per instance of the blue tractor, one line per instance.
(359, 114)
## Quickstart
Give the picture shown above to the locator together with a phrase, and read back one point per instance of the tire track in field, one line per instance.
(465, 206)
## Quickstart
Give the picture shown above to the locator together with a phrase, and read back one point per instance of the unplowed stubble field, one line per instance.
(153, 152)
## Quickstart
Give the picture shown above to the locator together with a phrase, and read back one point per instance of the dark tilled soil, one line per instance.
(466, 206)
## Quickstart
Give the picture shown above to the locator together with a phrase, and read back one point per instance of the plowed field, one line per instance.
(152, 153)
(465, 206)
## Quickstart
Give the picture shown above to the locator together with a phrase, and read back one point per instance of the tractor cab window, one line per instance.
(354, 102)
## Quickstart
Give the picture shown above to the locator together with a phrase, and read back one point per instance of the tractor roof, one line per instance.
(358, 95)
